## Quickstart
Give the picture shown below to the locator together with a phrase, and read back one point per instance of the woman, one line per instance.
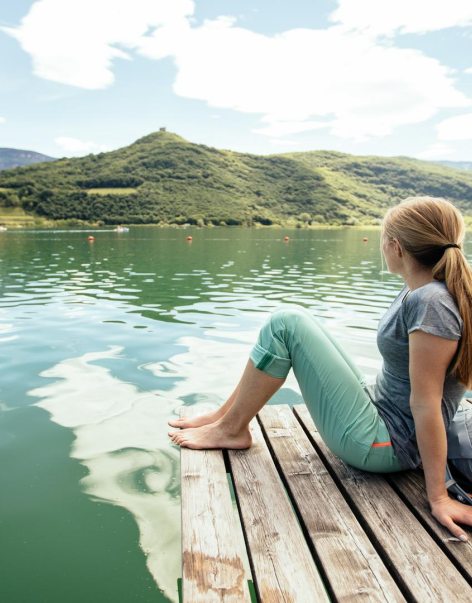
(424, 339)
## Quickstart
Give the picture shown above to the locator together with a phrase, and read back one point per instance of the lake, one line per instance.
(102, 343)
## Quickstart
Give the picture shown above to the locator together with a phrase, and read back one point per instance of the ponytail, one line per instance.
(454, 269)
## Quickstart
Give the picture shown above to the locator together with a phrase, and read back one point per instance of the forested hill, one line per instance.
(164, 178)
(10, 158)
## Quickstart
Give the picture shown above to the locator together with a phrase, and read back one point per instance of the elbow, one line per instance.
(425, 407)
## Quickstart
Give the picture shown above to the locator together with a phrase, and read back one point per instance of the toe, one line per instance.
(176, 422)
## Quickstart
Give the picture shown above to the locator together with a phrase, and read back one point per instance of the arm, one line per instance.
(430, 356)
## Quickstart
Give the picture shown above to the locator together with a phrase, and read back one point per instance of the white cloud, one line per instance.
(2, 120)
(299, 80)
(74, 146)
(75, 42)
(456, 128)
(469, 70)
(437, 150)
(363, 88)
(402, 16)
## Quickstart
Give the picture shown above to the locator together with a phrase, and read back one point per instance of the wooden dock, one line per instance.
(287, 521)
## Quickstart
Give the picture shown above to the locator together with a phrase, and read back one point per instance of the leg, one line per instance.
(232, 429)
(288, 337)
(331, 385)
(207, 418)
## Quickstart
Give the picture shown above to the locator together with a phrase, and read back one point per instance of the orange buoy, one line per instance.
(189, 238)
(286, 238)
(90, 238)
(365, 239)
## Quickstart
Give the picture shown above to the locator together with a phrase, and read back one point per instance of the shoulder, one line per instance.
(433, 292)
(432, 308)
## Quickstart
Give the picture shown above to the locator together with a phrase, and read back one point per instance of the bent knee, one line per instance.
(291, 317)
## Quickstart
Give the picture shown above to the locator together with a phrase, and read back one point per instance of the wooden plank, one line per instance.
(419, 565)
(350, 562)
(212, 561)
(412, 487)
(283, 567)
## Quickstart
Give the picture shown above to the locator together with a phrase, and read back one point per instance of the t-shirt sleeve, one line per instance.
(434, 314)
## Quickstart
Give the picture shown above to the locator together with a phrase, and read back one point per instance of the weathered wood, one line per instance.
(422, 568)
(212, 561)
(283, 567)
(350, 562)
(412, 487)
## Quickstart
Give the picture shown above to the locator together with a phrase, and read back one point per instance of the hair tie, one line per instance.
(450, 245)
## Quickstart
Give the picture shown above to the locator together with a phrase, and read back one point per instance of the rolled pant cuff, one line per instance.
(269, 363)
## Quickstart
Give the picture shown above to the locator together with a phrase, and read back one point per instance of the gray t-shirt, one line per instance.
(431, 309)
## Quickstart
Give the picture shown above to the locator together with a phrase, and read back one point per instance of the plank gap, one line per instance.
(341, 544)
(297, 513)
(431, 531)
(282, 562)
(213, 567)
(239, 529)
(388, 562)
(255, 586)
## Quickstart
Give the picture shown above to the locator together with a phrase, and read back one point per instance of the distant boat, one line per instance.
(121, 229)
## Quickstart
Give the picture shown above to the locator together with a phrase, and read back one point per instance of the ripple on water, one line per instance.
(112, 345)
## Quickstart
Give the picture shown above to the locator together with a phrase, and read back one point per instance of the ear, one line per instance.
(398, 247)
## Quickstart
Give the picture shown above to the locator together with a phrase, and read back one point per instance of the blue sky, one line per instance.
(262, 76)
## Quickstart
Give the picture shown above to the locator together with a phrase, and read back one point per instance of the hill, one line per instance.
(10, 158)
(163, 178)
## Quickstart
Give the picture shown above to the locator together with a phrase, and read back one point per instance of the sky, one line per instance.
(368, 77)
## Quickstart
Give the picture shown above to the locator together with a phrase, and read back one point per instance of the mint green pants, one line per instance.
(332, 387)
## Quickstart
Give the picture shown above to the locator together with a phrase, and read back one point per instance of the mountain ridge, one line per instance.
(162, 178)
(11, 158)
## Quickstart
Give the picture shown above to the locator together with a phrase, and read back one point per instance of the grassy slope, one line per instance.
(171, 180)
(15, 216)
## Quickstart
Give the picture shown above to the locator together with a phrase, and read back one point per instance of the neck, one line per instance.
(415, 278)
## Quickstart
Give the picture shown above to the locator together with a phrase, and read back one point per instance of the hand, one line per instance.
(448, 511)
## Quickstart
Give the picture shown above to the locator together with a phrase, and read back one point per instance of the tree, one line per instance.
(305, 218)
(9, 199)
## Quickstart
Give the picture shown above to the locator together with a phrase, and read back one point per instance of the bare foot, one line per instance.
(205, 419)
(214, 435)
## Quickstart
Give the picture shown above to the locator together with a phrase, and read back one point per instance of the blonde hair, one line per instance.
(422, 226)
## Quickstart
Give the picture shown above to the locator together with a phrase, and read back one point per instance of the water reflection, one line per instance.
(120, 440)
(114, 338)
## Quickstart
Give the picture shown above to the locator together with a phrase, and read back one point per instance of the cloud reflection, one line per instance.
(120, 439)
(121, 432)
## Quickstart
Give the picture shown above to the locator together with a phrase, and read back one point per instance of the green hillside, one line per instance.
(163, 178)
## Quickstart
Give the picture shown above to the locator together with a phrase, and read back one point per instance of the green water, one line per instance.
(102, 343)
